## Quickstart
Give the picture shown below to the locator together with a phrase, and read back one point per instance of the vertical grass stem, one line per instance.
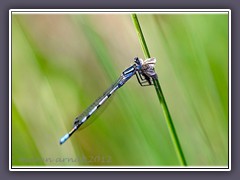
(161, 98)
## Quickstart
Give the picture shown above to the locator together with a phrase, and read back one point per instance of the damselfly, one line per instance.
(144, 71)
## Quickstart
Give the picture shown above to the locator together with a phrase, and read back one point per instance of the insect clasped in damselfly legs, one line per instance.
(144, 71)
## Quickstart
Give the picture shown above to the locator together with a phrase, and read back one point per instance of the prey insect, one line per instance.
(144, 71)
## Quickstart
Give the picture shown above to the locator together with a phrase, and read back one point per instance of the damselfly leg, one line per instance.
(143, 79)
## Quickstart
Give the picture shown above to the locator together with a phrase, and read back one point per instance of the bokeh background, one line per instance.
(62, 63)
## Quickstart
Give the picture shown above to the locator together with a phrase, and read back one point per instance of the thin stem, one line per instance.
(171, 128)
(140, 36)
(170, 124)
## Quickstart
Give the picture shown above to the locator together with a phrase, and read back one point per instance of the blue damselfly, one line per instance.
(144, 71)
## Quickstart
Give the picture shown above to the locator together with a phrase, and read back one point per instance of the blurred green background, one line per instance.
(62, 63)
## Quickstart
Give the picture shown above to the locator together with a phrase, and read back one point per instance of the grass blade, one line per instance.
(161, 98)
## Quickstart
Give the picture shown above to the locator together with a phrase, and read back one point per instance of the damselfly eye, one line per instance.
(136, 60)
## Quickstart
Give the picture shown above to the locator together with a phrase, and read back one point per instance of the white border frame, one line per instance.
(119, 168)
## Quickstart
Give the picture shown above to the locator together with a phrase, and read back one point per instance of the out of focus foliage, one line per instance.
(62, 63)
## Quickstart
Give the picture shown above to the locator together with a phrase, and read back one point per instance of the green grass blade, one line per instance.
(161, 98)
(140, 36)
